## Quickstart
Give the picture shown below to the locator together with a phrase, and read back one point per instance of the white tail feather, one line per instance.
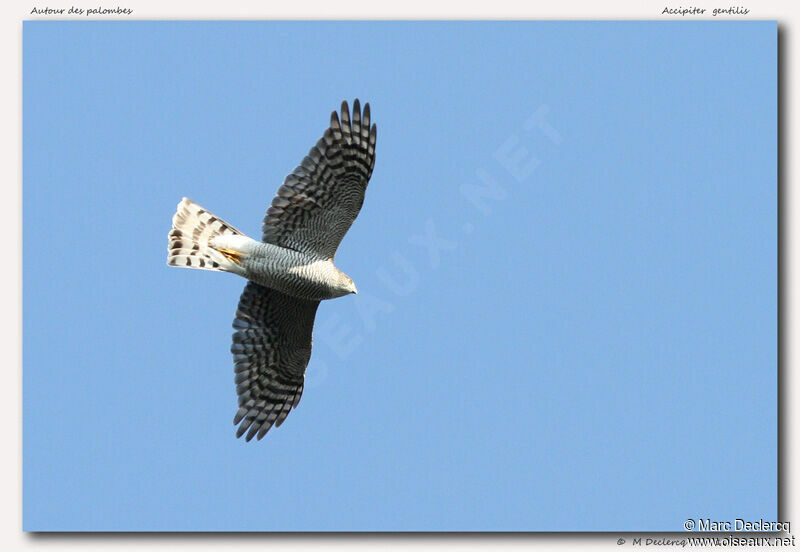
(192, 229)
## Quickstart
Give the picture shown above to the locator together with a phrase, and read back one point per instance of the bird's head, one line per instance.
(351, 285)
(346, 285)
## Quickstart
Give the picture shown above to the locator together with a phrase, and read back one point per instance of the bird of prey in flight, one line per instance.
(289, 271)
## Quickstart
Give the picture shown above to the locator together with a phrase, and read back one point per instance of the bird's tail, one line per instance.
(193, 229)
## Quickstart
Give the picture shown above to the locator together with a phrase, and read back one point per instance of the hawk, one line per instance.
(289, 271)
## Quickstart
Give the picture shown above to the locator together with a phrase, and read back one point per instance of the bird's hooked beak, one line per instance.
(355, 291)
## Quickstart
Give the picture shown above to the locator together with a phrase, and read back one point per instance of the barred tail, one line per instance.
(192, 229)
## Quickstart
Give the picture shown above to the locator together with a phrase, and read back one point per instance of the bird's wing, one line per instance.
(321, 198)
(271, 349)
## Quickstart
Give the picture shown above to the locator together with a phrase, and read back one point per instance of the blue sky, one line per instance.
(566, 265)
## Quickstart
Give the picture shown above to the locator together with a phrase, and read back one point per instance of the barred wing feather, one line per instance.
(320, 199)
(271, 349)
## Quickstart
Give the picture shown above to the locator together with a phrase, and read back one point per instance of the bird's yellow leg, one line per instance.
(231, 255)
